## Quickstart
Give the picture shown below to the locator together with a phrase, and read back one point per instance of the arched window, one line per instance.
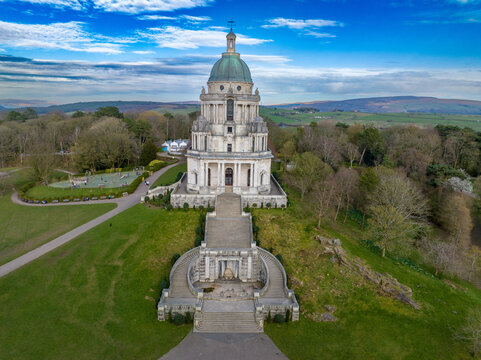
(248, 177)
(230, 110)
(208, 177)
(205, 143)
(253, 143)
(262, 179)
(195, 178)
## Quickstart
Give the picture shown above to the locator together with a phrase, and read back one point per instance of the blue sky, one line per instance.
(162, 50)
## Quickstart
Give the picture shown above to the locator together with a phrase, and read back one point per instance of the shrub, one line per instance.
(179, 319)
(278, 319)
(188, 318)
(254, 205)
(164, 284)
(279, 257)
(288, 315)
(198, 241)
(170, 316)
(268, 205)
(179, 175)
(169, 207)
(175, 257)
(186, 206)
(146, 198)
(269, 317)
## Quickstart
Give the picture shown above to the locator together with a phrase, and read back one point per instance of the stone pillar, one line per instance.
(254, 180)
(207, 268)
(222, 174)
(249, 267)
(251, 181)
(218, 174)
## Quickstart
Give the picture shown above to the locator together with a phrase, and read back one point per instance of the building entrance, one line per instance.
(229, 175)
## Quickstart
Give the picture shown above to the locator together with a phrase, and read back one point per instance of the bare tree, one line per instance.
(470, 332)
(398, 211)
(351, 152)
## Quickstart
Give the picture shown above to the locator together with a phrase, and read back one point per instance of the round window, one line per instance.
(222, 87)
(238, 88)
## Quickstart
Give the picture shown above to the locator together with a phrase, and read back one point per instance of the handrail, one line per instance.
(176, 264)
(279, 265)
(266, 284)
(198, 293)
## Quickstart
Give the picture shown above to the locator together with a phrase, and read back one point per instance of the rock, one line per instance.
(455, 312)
(328, 251)
(322, 240)
(328, 317)
(149, 298)
(330, 308)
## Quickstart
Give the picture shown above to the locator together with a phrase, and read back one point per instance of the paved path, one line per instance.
(202, 346)
(122, 205)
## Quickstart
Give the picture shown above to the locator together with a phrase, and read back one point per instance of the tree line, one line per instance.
(82, 141)
(412, 190)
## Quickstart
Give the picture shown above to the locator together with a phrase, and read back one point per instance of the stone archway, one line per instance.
(229, 177)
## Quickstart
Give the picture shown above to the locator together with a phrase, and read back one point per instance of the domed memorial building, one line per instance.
(229, 150)
(228, 284)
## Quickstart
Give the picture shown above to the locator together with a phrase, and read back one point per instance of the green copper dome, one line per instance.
(230, 68)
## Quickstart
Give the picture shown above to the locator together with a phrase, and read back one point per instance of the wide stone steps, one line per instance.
(179, 286)
(228, 232)
(275, 288)
(228, 322)
(228, 205)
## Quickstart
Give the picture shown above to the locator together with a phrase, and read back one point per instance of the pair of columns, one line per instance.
(236, 174)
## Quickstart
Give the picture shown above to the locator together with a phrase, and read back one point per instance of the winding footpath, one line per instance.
(122, 205)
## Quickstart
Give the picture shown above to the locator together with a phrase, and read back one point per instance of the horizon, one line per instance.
(66, 51)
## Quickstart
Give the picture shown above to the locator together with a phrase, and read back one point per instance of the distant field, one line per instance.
(293, 118)
(180, 109)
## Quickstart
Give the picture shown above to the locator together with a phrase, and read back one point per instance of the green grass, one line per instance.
(170, 175)
(95, 297)
(293, 117)
(25, 227)
(180, 109)
(370, 326)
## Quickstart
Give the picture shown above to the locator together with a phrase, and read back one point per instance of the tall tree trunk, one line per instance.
(362, 155)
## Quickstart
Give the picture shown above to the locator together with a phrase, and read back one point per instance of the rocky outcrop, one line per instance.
(386, 283)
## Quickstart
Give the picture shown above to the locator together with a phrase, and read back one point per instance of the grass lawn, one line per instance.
(25, 227)
(370, 326)
(170, 175)
(95, 297)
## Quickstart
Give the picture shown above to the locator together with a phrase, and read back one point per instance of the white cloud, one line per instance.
(73, 4)
(178, 38)
(143, 52)
(67, 36)
(189, 18)
(139, 6)
(125, 6)
(319, 35)
(300, 24)
(181, 78)
(156, 17)
(2, 50)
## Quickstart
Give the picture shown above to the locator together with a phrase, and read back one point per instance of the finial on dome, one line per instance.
(231, 38)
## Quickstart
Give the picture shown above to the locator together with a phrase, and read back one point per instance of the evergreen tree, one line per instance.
(149, 153)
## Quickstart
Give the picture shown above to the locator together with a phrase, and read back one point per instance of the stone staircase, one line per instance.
(228, 205)
(179, 288)
(275, 288)
(228, 322)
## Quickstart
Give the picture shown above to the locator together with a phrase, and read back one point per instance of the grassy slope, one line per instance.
(369, 326)
(25, 228)
(95, 297)
(170, 175)
(382, 120)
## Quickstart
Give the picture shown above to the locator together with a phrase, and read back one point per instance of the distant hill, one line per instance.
(397, 104)
(2, 108)
(124, 106)
(22, 103)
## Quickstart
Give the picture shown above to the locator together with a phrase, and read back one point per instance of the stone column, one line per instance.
(207, 267)
(251, 181)
(222, 174)
(254, 180)
(218, 174)
(249, 267)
